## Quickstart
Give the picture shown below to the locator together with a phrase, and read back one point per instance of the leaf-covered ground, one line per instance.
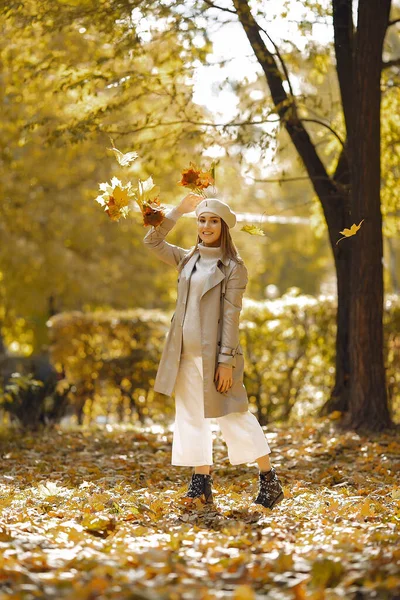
(95, 513)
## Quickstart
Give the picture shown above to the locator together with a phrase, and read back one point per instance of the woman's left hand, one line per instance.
(223, 377)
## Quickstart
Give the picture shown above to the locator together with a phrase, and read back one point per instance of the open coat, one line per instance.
(220, 344)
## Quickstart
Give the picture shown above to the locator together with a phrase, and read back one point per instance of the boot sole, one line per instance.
(275, 502)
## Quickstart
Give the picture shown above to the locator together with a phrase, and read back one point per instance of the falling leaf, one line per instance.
(123, 159)
(252, 229)
(349, 232)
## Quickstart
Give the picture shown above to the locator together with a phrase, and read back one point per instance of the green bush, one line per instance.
(111, 358)
(289, 351)
(289, 346)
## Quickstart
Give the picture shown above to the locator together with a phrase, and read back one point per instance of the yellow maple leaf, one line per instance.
(252, 229)
(367, 508)
(349, 232)
(244, 592)
(120, 197)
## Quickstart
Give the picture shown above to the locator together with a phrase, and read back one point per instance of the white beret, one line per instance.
(219, 208)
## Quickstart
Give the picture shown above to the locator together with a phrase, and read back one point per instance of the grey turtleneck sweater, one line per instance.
(191, 334)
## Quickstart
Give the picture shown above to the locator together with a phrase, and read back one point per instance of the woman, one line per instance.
(202, 359)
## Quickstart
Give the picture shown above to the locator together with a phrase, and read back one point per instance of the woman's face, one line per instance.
(209, 229)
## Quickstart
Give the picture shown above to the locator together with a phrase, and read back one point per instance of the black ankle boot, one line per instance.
(200, 487)
(270, 491)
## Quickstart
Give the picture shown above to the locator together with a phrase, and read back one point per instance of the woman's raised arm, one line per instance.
(155, 238)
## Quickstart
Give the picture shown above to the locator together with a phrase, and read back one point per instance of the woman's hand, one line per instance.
(223, 377)
(189, 203)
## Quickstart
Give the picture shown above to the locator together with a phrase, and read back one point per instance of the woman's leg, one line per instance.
(192, 439)
(245, 439)
(264, 463)
(247, 443)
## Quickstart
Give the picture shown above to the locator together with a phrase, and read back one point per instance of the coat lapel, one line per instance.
(188, 268)
(215, 277)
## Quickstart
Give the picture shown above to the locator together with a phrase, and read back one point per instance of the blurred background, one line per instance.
(84, 307)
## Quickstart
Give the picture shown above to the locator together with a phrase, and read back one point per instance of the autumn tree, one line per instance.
(136, 85)
(351, 193)
(74, 74)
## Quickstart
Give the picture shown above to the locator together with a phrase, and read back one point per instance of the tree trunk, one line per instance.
(332, 192)
(2, 344)
(360, 376)
(368, 406)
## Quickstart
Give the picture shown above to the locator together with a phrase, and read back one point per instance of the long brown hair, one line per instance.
(228, 247)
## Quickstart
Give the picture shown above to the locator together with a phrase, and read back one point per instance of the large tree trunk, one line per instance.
(2, 344)
(359, 371)
(332, 192)
(368, 397)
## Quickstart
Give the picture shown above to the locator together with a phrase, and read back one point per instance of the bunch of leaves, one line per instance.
(115, 197)
(147, 197)
(197, 180)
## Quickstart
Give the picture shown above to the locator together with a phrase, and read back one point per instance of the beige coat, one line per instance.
(216, 404)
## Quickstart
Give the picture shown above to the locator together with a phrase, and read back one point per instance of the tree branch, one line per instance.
(212, 5)
(324, 186)
(190, 122)
(393, 22)
(395, 62)
(280, 180)
(327, 127)
(285, 70)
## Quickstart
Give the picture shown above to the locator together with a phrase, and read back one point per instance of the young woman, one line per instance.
(202, 360)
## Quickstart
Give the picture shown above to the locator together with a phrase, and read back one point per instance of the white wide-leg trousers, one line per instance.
(192, 438)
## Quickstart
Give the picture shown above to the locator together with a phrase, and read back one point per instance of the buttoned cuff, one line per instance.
(227, 350)
(226, 359)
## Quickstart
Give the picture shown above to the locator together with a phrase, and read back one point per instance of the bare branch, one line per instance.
(393, 22)
(190, 122)
(212, 5)
(286, 180)
(395, 62)
(337, 136)
(285, 70)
